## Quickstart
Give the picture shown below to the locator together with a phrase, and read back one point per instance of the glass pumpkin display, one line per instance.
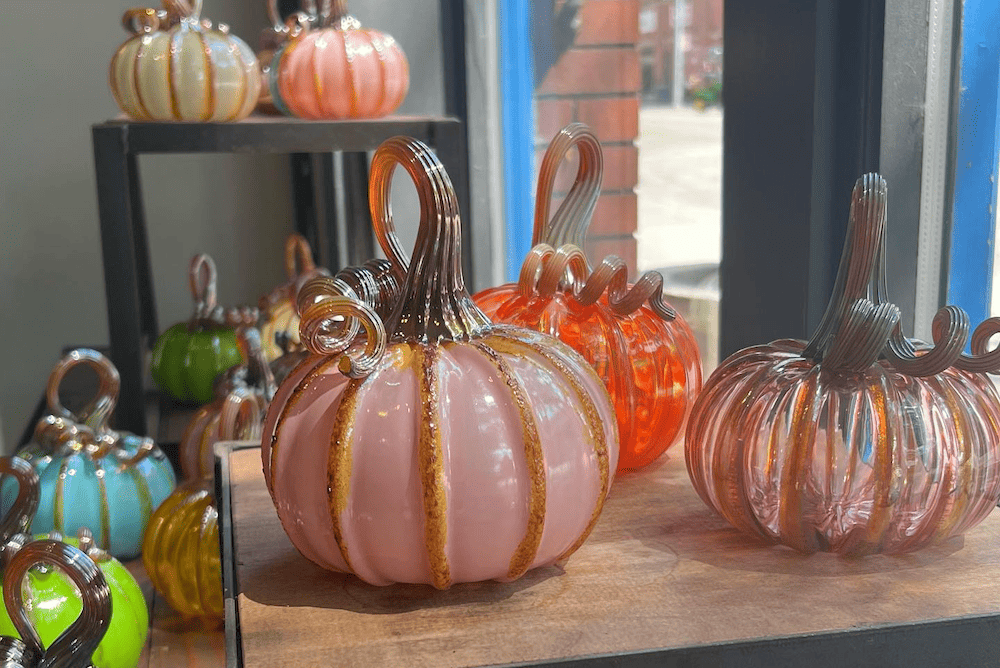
(860, 440)
(205, 429)
(53, 600)
(277, 308)
(90, 475)
(645, 353)
(180, 550)
(331, 68)
(74, 647)
(439, 447)
(175, 67)
(188, 356)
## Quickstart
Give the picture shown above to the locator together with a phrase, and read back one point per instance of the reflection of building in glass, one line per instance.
(696, 57)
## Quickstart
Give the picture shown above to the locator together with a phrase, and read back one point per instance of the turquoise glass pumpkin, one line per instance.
(188, 356)
(90, 476)
(52, 598)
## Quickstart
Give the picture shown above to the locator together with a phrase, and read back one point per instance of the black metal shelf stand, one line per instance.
(128, 280)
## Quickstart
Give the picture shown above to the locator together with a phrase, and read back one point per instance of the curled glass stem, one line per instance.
(329, 326)
(570, 222)
(546, 271)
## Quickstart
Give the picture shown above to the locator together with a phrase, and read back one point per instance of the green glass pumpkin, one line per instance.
(188, 356)
(52, 600)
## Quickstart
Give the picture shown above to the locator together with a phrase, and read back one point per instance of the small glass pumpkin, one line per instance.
(180, 550)
(205, 428)
(277, 308)
(860, 440)
(187, 357)
(91, 476)
(55, 598)
(175, 67)
(74, 647)
(439, 451)
(645, 353)
(331, 68)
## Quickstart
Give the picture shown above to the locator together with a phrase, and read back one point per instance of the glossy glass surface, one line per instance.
(53, 602)
(185, 363)
(650, 366)
(437, 448)
(181, 552)
(113, 499)
(185, 72)
(846, 462)
(335, 73)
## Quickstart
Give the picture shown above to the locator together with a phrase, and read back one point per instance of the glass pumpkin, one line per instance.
(187, 357)
(180, 550)
(644, 352)
(91, 476)
(330, 68)
(859, 441)
(277, 308)
(205, 429)
(437, 449)
(175, 67)
(47, 561)
(53, 599)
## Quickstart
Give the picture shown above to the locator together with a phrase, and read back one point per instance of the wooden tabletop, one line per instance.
(660, 571)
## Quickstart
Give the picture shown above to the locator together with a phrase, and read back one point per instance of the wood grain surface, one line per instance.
(660, 570)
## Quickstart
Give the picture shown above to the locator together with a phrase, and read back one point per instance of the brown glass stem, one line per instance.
(570, 222)
(434, 304)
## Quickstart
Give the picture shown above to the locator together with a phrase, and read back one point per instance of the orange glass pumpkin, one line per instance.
(278, 316)
(333, 69)
(861, 440)
(644, 352)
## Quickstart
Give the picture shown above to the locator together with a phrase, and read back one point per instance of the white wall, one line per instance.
(53, 86)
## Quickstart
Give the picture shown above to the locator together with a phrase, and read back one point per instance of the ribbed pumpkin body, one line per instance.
(846, 462)
(336, 73)
(113, 500)
(650, 366)
(184, 363)
(54, 604)
(450, 463)
(185, 73)
(181, 552)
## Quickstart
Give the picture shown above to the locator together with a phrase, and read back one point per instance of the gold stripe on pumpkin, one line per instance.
(58, 517)
(136, 61)
(430, 457)
(377, 48)
(339, 463)
(514, 342)
(882, 473)
(175, 37)
(322, 365)
(244, 87)
(206, 51)
(534, 458)
(105, 510)
(317, 81)
(801, 437)
(349, 60)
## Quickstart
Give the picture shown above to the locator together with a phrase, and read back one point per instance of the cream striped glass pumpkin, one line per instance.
(176, 67)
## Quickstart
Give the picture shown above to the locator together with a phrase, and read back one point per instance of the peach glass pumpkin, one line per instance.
(175, 67)
(333, 69)
(645, 353)
(859, 441)
(206, 426)
(449, 449)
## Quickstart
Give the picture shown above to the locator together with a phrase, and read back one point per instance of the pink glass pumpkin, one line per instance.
(861, 440)
(332, 68)
(645, 353)
(449, 449)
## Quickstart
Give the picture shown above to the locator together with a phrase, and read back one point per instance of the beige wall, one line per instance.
(53, 86)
